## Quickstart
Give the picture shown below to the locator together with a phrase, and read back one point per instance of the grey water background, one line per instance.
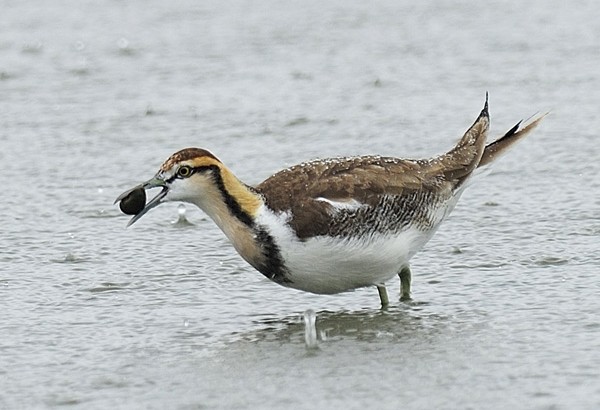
(94, 95)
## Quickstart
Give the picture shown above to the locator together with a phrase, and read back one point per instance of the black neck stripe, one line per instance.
(273, 266)
(232, 204)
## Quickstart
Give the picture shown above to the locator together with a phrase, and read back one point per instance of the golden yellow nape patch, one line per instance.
(249, 201)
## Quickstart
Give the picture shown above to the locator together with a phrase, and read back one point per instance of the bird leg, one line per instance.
(405, 279)
(383, 296)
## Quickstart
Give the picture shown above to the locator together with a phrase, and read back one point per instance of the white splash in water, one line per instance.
(181, 218)
(310, 329)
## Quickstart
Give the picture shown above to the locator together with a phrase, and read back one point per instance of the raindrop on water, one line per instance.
(123, 43)
(124, 47)
(182, 219)
(33, 47)
(70, 257)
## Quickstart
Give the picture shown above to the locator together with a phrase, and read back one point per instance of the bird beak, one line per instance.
(156, 182)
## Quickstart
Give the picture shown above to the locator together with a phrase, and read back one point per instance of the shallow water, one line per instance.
(95, 95)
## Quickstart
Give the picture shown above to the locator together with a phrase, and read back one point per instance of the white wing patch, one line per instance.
(347, 204)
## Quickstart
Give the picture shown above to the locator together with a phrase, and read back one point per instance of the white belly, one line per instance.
(333, 265)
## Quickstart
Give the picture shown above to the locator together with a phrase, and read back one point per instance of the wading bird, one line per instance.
(329, 225)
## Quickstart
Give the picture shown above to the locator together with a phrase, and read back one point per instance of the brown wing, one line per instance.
(405, 185)
(308, 190)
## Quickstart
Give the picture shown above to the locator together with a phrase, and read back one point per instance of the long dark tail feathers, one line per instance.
(461, 160)
(479, 126)
(495, 149)
(485, 106)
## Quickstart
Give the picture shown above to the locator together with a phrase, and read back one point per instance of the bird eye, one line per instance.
(184, 171)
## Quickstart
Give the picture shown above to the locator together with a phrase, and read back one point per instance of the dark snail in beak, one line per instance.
(134, 202)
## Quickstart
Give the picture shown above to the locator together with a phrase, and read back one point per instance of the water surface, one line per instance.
(95, 95)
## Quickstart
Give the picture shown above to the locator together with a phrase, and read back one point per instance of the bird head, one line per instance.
(189, 175)
(193, 175)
